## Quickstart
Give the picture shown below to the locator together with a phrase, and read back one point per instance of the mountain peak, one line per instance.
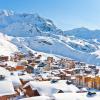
(82, 29)
(25, 24)
(6, 12)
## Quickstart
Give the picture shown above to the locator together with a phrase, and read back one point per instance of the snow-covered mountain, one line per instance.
(84, 33)
(32, 32)
(24, 25)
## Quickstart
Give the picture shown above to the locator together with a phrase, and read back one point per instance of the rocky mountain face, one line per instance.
(26, 25)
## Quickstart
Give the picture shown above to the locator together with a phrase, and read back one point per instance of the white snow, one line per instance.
(37, 98)
(11, 63)
(66, 96)
(15, 80)
(6, 47)
(48, 88)
(4, 72)
(75, 96)
(6, 88)
(55, 46)
(26, 77)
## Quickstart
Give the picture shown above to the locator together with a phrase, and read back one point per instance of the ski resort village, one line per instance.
(39, 61)
(38, 76)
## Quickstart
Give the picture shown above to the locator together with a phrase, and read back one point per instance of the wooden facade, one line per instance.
(30, 93)
(20, 67)
(88, 81)
(4, 58)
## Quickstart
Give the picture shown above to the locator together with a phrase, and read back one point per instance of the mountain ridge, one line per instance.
(84, 33)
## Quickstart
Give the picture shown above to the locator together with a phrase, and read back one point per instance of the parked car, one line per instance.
(90, 93)
(54, 80)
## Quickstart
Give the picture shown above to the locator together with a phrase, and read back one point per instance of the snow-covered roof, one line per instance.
(22, 62)
(37, 98)
(73, 77)
(11, 63)
(92, 76)
(26, 77)
(55, 77)
(48, 88)
(45, 75)
(4, 72)
(68, 74)
(6, 88)
(43, 88)
(61, 85)
(2, 63)
(19, 72)
(15, 80)
(75, 96)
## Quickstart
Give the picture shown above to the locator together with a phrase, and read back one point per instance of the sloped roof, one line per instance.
(6, 88)
(4, 72)
(15, 80)
(26, 77)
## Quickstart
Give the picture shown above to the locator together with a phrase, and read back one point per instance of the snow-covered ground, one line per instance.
(81, 51)
(66, 96)
(6, 47)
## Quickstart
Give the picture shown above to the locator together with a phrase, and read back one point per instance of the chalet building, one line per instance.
(23, 82)
(50, 59)
(92, 66)
(94, 82)
(30, 92)
(97, 82)
(71, 64)
(34, 92)
(38, 57)
(79, 81)
(2, 64)
(67, 63)
(87, 71)
(42, 66)
(30, 69)
(4, 97)
(47, 68)
(4, 58)
(88, 81)
(37, 61)
(70, 71)
(25, 78)
(6, 90)
(64, 77)
(11, 69)
(20, 68)
(30, 61)
(80, 63)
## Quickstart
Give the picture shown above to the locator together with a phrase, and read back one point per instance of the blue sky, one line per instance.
(66, 14)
